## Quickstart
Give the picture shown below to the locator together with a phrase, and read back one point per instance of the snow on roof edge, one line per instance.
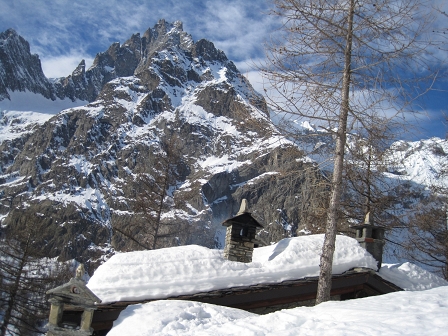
(191, 269)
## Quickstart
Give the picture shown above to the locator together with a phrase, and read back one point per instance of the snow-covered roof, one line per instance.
(183, 270)
(411, 277)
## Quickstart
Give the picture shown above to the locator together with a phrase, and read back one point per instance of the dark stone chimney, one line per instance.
(371, 237)
(240, 235)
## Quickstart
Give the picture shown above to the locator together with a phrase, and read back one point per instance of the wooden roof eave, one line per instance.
(255, 296)
(308, 286)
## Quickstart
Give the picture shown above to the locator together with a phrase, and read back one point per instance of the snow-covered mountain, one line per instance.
(74, 174)
(424, 162)
(72, 149)
(19, 69)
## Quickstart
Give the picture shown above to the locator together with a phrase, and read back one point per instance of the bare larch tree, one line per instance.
(25, 276)
(154, 195)
(342, 64)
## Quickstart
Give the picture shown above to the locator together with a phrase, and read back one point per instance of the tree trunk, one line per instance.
(14, 291)
(160, 207)
(326, 259)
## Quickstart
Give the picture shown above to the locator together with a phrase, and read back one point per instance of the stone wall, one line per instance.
(238, 245)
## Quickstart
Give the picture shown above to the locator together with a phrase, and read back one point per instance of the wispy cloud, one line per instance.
(63, 32)
(63, 65)
(238, 27)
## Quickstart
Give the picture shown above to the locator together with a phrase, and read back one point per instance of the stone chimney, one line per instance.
(371, 237)
(240, 235)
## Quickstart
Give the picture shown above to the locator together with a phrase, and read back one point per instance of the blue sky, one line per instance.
(63, 32)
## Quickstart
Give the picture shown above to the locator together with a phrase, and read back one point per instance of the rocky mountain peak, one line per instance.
(162, 36)
(135, 55)
(208, 52)
(19, 69)
(79, 171)
(163, 27)
(23, 71)
(8, 35)
(80, 69)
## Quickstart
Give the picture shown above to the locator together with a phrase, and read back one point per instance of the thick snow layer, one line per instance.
(411, 277)
(400, 313)
(15, 123)
(191, 269)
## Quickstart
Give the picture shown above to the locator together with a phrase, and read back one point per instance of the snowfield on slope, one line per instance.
(26, 110)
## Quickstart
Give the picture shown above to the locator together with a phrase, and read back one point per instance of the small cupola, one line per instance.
(240, 235)
(371, 237)
(74, 293)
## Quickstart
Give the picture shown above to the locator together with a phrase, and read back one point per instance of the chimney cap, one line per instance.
(368, 219)
(244, 208)
(368, 222)
(366, 225)
(243, 217)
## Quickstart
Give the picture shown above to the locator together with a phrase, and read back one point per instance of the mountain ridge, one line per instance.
(76, 174)
(22, 70)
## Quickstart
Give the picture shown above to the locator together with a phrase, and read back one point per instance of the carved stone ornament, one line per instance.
(77, 294)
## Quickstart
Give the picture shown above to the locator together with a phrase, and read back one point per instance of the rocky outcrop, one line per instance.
(22, 71)
(76, 177)
(19, 69)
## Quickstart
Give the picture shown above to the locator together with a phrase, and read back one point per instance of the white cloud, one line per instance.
(63, 32)
(57, 30)
(256, 79)
(63, 65)
(238, 28)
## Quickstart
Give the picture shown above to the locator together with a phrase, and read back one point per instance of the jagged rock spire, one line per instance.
(21, 70)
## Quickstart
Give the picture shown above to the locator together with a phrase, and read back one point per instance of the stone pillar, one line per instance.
(374, 247)
(55, 317)
(239, 243)
(56, 310)
(86, 320)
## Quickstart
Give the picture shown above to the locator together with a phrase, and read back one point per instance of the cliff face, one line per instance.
(76, 176)
(179, 114)
(19, 69)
